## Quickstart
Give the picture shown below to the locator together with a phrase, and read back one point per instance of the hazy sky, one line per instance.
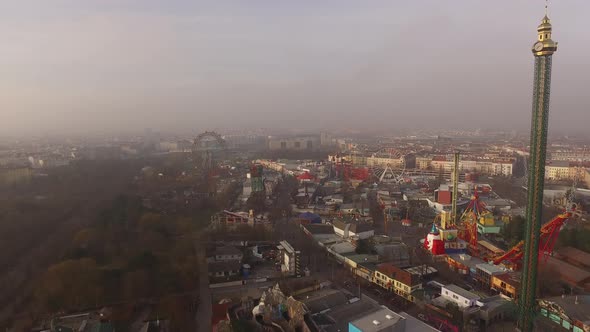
(78, 65)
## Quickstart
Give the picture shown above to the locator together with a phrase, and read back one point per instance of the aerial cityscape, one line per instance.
(276, 203)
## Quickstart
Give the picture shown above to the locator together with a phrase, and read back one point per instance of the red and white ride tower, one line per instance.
(434, 243)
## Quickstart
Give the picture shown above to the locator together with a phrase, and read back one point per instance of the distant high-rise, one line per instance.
(543, 50)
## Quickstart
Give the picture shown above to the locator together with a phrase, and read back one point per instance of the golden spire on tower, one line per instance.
(544, 45)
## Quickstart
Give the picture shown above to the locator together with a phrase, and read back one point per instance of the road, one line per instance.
(204, 311)
(140, 320)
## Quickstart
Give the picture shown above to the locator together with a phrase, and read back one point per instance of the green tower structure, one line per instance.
(543, 50)
(455, 187)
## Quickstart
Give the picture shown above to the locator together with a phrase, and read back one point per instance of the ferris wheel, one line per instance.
(388, 174)
(208, 147)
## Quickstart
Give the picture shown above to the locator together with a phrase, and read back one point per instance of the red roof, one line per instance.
(219, 312)
(305, 176)
(398, 274)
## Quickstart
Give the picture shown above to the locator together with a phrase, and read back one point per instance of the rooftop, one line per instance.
(355, 227)
(331, 309)
(363, 258)
(421, 270)
(511, 278)
(85, 322)
(287, 247)
(490, 268)
(493, 302)
(415, 325)
(466, 260)
(462, 292)
(575, 255)
(378, 320)
(224, 266)
(576, 311)
(559, 163)
(227, 250)
(319, 229)
(568, 271)
(342, 247)
(396, 273)
(322, 300)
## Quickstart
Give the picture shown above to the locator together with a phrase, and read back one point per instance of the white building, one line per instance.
(294, 143)
(346, 230)
(387, 320)
(290, 259)
(228, 253)
(463, 298)
(483, 166)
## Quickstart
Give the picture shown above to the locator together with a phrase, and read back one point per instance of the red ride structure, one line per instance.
(468, 225)
(347, 172)
(549, 234)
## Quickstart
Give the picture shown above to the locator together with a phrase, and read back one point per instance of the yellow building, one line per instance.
(10, 176)
(507, 284)
(423, 162)
(487, 219)
(397, 280)
(559, 170)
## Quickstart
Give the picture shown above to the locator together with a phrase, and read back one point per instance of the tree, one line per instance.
(513, 231)
(457, 314)
(151, 221)
(86, 237)
(136, 284)
(364, 246)
(144, 261)
(70, 284)
(256, 202)
(575, 237)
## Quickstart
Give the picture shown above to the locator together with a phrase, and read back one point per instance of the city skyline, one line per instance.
(128, 65)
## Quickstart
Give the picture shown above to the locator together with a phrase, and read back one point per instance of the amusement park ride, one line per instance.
(208, 148)
(476, 212)
(549, 234)
(389, 175)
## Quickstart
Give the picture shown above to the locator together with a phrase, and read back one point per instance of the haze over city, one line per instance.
(294, 166)
(119, 65)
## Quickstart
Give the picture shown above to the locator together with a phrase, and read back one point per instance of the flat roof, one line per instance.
(567, 270)
(416, 325)
(579, 310)
(489, 246)
(323, 299)
(378, 320)
(575, 255)
(466, 260)
(420, 270)
(331, 308)
(490, 268)
(462, 292)
(362, 258)
(512, 278)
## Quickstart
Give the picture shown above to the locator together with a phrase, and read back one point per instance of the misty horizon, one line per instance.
(116, 66)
